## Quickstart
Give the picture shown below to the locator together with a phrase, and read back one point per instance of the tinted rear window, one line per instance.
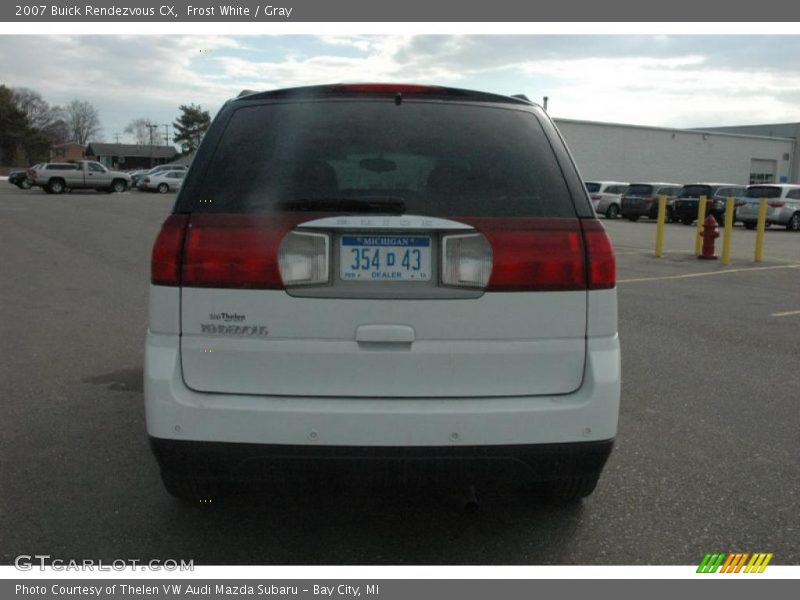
(592, 187)
(438, 159)
(695, 191)
(616, 189)
(639, 190)
(763, 191)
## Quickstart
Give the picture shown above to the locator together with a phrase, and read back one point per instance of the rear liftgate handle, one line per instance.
(385, 334)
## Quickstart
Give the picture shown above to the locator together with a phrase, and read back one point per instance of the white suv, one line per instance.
(402, 274)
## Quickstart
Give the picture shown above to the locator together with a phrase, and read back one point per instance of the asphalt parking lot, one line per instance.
(706, 458)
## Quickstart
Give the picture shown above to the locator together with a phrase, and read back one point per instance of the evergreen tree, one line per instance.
(191, 126)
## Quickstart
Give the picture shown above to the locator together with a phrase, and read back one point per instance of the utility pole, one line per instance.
(151, 127)
(116, 135)
(166, 132)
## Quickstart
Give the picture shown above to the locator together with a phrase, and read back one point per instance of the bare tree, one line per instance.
(83, 121)
(139, 129)
(43, 118)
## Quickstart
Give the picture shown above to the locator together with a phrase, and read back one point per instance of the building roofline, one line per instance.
(673, 129)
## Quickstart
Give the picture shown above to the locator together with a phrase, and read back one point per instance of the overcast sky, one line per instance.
(673, 81)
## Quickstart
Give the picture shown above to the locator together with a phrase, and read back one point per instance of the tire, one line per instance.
(749, 224)
(567, 491)
(117, 186)
(633, 218)
(794, 222)
(192, 490)
(687, 221)
(25, 184)
(163, 188)
(56, 186)
(612, 212)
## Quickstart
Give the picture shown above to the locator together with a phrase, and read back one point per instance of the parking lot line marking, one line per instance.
(787, 313)
(688, 275)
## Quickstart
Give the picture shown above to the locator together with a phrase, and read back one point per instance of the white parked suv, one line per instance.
(783, 205)
(382, 273)
(605, 196)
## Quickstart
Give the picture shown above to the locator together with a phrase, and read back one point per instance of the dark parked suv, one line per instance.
(641, 200)
(403, 274)
(686, 204)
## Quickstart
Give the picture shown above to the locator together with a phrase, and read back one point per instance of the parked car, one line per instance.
(641, 200)
(163, 182)
(57, 178)
(686, 204)
(389, 273)
(783, 205)
(605, 196)
(137, 177)
(20, 179)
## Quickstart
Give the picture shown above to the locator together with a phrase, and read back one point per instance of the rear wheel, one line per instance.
(687, 220)
(163, 188)
(612, 212)
(749, 224)
(56, 186)
(191, 489)
(25, 184)
(633, 218)
(794, 222)
(564, 491)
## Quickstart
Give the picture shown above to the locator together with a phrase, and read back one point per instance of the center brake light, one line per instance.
(263, 252)
(388, 88)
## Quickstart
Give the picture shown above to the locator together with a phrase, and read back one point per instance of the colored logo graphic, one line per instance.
(734, 562)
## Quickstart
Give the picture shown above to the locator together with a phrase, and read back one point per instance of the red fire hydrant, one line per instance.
(710, 233)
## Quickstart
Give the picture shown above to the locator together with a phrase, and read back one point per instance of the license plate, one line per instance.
(385, 258)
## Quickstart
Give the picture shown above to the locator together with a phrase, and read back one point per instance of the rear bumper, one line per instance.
(281, 463)
(173, 411)
(639, 210)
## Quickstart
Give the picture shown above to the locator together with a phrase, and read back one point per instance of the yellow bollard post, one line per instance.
(662, 215)
(726, 239)
(760, 227)
(701, 216)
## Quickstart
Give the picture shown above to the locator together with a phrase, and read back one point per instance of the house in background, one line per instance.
(130, 156)
(70, 151)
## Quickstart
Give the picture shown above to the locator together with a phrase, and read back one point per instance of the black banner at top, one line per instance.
(405, 11)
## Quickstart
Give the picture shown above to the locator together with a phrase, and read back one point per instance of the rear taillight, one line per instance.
(165, 261)
(533, 254)
(466, 260)
(622, 200)
(303, 258)
(602, 264)
(235, 251)
(776, 203)
(648, 199)
(595, 197)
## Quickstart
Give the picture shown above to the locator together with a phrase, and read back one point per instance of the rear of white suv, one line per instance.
(387, 273)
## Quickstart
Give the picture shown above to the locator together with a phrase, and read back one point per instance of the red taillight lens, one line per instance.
(602, 264)
(595, 197)
(648, 199)
(393, 88)
(533, 254)
(235, 251)
(165, 261)
(622, 200)
(776, 203)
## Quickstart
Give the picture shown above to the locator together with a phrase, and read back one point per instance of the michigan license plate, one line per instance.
(385, 258)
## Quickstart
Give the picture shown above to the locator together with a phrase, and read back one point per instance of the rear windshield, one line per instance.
(592, 187)
(616, 189)
(763, 191)
(437, 159)
(639, 190)
(695, 191)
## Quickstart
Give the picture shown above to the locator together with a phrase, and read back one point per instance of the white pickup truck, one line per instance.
(56, 178)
